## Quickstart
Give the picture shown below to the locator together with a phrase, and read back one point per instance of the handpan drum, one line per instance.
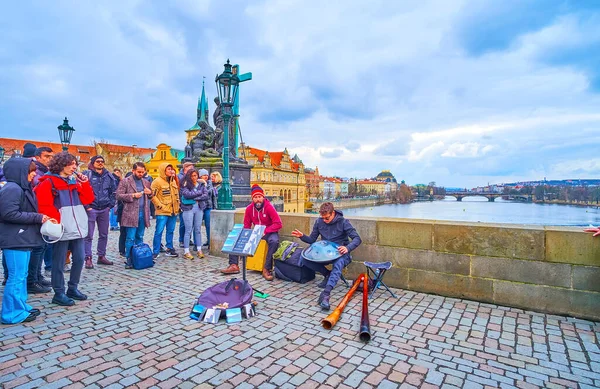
(321, 251)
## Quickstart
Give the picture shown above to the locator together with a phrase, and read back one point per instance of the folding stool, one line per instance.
(375, 272)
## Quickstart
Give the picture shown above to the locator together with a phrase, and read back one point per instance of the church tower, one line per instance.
(201, 115)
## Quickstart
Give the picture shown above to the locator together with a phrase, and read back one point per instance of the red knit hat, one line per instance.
(257, 190)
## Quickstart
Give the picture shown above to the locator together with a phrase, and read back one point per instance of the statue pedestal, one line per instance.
(239, 172)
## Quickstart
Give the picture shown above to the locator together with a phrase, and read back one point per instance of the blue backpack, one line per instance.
(141, 256)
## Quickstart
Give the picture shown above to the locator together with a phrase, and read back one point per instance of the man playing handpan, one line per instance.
(332, 227)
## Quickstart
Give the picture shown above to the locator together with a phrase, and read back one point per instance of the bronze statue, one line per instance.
(203, 144)
(219, 124)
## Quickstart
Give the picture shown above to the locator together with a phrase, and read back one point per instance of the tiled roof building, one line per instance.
(278, 175)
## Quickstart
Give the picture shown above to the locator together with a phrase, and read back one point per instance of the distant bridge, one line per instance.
(489, 195)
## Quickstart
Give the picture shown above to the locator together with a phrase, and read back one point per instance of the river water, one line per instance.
(478, 209)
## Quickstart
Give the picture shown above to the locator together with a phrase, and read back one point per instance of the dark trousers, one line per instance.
(59, 253)
(102, 217)
(206, 218)
(4, 267)
(272, 240)
(335, 273)
(122, 239)
(34, 272)
(48, 256)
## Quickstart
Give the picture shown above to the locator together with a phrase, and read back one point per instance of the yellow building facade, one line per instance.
(278, 175)
(371, 186)
(163, 153)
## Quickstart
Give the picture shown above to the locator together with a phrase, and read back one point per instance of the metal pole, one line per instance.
(225, 195)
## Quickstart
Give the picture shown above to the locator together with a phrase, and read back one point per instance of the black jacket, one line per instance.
(339, 231)
(105, 188)
(19, 220)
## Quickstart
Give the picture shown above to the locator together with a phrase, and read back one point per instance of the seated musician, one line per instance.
(260, 212)
(333, 227)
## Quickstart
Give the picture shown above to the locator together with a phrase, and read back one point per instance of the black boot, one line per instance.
(75, 294)
(323, 300)
(62, 299)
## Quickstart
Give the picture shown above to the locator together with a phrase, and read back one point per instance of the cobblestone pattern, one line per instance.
(134, 331)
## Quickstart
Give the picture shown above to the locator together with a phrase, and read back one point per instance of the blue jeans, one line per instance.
(336, 271)
(161, 221)
(206, 219)
(14, 301)
(192, 221)
(134, 235)
(113, 219)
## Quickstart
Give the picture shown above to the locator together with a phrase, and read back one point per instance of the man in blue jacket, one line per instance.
(333, 227)
(105, 187)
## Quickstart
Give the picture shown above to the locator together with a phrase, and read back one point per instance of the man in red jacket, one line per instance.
(260, 213)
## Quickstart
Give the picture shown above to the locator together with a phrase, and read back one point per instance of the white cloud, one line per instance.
(351, 87)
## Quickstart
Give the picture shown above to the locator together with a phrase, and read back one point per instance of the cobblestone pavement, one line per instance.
(134, 331)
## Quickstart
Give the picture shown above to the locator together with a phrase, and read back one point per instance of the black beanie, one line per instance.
(29, 150)
(95, 157)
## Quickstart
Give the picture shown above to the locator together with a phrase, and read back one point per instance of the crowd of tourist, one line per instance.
(43, 191)
(42, 187)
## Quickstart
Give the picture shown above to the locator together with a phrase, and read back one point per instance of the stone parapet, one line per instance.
(547, 269)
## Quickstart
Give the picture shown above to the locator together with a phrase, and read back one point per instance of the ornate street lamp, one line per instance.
(1, 155)
(227, 87)
(65, 132)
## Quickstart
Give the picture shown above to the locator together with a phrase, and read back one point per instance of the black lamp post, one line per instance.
(1, 155)
(66, 133)
(227, 87)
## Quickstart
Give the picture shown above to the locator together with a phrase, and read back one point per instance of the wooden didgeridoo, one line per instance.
(333, 318)
(364, 333)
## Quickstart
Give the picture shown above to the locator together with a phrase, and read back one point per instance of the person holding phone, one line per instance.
(135, 194)
(63, 193)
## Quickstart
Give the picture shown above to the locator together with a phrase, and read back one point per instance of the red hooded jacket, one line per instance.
(267, 216)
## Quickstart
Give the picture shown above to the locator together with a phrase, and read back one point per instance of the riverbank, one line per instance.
(349, 203)
(562, 202)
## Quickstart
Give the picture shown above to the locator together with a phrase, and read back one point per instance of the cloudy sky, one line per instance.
(458, 92)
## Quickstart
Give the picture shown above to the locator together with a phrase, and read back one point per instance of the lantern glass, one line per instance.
(65, 131)
(227, 85)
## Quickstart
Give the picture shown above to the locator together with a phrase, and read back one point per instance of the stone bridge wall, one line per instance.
(546, 269)
(348, 203)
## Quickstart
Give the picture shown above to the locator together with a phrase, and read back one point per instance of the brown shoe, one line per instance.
(102, 260)
(88, 263)
(231, 269)
(267, 274)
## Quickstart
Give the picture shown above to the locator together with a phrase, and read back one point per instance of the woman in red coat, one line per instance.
(62, 194)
